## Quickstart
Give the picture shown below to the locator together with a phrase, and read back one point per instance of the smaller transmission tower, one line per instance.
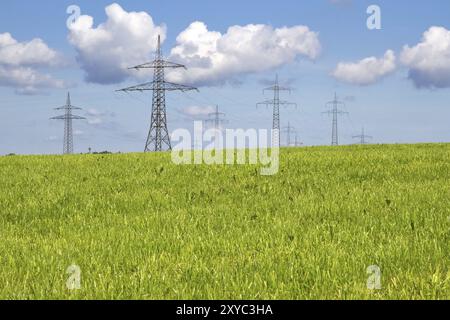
(68, 117)
(290, 131)
(276, 103)
(217, 121)
(363, 137)
(298, 143)
(335, 112)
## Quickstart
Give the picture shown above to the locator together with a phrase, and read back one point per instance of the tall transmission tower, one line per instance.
(335, 112)
(289, 132)
(158, 137)
(363, 137)
(68, 117)
(276, 103)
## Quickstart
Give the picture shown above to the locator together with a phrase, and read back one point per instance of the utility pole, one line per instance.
(158, 137)
(363, 137)
(289, 131)
(335, 112)
(276, 103)
(68, 117)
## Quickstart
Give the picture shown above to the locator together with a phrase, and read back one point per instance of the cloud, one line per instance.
(105, 52)
(98, 118)
(28, 81)
(429, 60)
(124, 40)
(215, 58)
(366, 71)
(19, 62)
(196, 111)
(34, 53)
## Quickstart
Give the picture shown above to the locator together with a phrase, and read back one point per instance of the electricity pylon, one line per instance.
(336, 113)
(289, 131)
(276, 103)
(298, 143)
(216, 119)
(158, 137)
(363, 137)
(68, 117)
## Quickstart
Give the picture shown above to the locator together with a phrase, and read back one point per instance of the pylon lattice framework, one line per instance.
(335, 112)
(158, 137)
(68, 117)
(363, 137)
(276, 103)
(290, 130)
(216, 119)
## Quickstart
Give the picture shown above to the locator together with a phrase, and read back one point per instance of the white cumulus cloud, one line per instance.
(197, 111)
(366, 71)
(214, 58)
(124, 40)
(429, 60)
(19, 63)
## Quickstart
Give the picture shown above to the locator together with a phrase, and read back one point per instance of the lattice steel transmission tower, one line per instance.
(336, 113)
(216, 120)
(363, 137)
(289, 132)
(158, 137)
(68, 117)
(276, 103)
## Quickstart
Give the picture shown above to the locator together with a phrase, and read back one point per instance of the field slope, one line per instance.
(140, 227)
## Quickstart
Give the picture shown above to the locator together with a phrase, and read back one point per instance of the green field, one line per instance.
(140, 227)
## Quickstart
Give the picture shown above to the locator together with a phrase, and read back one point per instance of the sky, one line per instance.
(394, 80)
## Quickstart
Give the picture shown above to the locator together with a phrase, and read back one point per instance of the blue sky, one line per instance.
(405, 101)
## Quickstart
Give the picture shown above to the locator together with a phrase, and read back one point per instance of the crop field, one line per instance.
(139, 227)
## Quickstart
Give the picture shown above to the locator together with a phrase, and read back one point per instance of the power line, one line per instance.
(276, 103)
(158, 137)
(363, 137)
(336, 113)
(68, 117)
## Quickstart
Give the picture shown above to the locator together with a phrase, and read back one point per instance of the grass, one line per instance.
(140, 227)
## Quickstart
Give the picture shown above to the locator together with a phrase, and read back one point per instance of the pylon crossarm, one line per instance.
(68, 107)
(153, 86)
(339, 103)
(158, 64)
(66, 117)
(169, 86)
(265, 103)
(277, 88)
(330, 112)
